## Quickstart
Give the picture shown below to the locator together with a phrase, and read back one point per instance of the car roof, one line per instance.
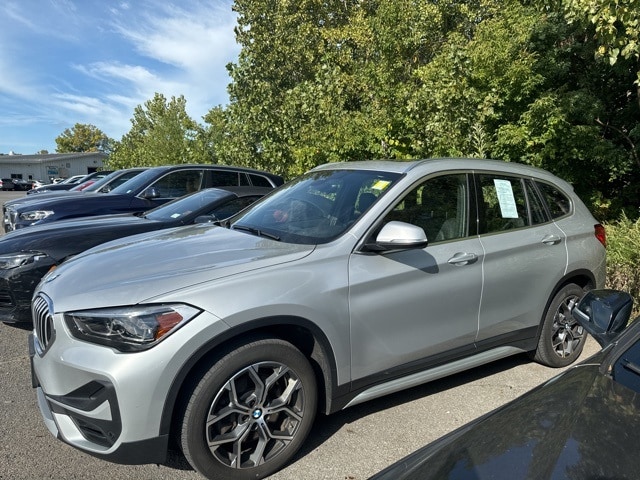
(445, 163)
(216, 166)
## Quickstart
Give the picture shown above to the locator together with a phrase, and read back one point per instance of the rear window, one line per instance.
(221, 178)
(558, 203)
(259, 181)
(503, 204)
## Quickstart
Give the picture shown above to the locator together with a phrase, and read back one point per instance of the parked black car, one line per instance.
(15, 184)
(582, 424)
(27, 254)
(145, 191)
(104, 185)
(68, 185)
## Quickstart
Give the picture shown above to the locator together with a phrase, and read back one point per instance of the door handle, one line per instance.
(551, 240)
(462, 258)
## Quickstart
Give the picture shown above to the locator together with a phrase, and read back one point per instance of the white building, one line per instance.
(48, 166)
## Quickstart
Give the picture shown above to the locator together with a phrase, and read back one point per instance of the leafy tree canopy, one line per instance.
(617, 26)
(162, 133)
(83, 138)
(347, 80)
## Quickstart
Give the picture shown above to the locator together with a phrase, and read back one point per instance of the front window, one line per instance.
(440, 206)
(317, 207)
(136, 184)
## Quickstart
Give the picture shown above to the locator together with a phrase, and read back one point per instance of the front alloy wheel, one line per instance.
(250, 412)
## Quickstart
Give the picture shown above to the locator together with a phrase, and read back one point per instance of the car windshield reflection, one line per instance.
(317, 207)
(185, 205)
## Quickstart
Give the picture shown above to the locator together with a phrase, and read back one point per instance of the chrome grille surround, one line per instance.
(42, 313)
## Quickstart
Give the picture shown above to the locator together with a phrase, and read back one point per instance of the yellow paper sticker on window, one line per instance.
(381, 185)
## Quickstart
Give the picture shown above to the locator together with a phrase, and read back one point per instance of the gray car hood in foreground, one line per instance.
(145, 266)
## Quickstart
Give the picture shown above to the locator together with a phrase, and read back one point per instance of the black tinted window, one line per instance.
(259, 181)
(221, 178)
(177, 184)
(558, 203)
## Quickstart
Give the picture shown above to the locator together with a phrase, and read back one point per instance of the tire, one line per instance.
(259, 399)
(562, 338)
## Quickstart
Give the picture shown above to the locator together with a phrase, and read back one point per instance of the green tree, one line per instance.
(525, 87)
(213, 134)
(162, 133)
(617, 27)
(83, 138)
(350, 80)
(325, 81)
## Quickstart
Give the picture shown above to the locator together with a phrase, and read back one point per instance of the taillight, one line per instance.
(601, 234)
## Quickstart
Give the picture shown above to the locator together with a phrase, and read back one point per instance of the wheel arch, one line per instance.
(583, 278)
(301, 333)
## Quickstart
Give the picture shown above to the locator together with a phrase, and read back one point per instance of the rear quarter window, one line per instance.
(558, 203)
(259, 181)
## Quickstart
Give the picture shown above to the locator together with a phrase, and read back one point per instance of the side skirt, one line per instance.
(431, 374)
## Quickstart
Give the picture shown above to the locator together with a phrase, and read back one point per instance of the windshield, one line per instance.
(317, 207)
(113, 179)
(188, 204)
(137, 183)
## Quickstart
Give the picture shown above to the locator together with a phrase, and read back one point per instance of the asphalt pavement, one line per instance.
(349, 445)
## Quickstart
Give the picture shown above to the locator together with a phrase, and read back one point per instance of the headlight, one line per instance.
(35, 215)
(129, 329)
(14, 260)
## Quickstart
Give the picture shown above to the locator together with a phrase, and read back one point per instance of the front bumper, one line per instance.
(16, 289)
(110, 404)
(88, 418)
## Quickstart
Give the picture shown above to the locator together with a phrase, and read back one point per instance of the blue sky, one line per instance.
(64, 62)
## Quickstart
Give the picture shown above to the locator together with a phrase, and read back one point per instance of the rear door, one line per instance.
(524, 257)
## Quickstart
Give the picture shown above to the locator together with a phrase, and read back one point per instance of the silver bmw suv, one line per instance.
(351, 282)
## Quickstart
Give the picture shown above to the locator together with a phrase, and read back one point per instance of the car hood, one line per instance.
(78, 202)
(578, 425)
(62, 238)
(138, 268)
(34, 197)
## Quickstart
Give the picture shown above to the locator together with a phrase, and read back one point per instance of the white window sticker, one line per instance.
(506, 199)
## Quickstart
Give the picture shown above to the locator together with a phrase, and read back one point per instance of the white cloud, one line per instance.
(108, 58)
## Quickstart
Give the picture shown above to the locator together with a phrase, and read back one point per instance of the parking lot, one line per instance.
(350, 445)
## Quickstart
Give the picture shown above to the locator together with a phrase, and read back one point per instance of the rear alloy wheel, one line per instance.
(250, 412)
(562, 338)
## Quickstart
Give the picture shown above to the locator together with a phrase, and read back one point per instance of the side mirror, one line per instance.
(604, 314)
(150, 193)
(399, 235)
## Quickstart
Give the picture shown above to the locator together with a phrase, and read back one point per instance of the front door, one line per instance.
(413, 307)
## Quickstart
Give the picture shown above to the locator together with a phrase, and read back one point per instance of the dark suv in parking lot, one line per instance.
(145, 191)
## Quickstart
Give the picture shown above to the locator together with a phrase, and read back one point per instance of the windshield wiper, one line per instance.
(256, 231)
